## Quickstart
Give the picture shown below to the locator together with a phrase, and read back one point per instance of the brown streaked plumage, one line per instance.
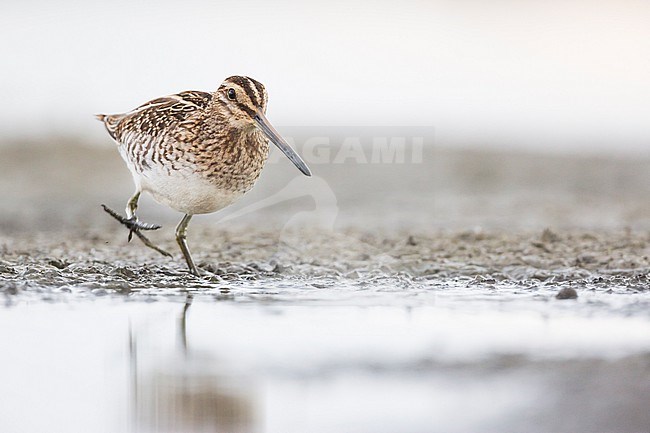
(195, 152)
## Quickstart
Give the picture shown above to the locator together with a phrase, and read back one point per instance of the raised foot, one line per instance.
(135, 226)
(132, 223)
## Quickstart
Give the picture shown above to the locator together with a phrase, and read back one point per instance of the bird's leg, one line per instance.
(181, 238)
(134, 225)
(132, 205)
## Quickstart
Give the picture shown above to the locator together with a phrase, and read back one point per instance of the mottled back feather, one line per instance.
(155, 117)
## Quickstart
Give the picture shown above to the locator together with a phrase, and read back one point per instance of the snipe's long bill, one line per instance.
(196, 152)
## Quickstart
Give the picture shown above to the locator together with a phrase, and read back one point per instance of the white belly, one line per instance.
(190, 195)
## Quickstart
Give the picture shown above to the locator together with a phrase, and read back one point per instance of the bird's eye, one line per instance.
(231, 94)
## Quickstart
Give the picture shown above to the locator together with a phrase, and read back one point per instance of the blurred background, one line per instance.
(532, 114)
(444, 138)
(568, 76)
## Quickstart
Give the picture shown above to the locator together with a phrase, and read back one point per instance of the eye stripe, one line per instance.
(247, 109)
(255, 94)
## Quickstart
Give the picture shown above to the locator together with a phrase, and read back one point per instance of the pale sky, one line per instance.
(525, 74)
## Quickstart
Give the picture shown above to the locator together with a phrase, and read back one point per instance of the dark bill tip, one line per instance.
(273, 135)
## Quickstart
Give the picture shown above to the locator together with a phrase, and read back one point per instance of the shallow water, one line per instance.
(435, 364)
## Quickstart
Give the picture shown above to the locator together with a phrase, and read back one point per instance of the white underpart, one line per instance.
(183, 190)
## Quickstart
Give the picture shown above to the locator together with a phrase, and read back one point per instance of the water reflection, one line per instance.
(186, 391)
(202, 366)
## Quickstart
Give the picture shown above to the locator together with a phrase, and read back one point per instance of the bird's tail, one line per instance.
(111, 122)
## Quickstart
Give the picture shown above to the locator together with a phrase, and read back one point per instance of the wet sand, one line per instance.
(594, 262)
(384, 298)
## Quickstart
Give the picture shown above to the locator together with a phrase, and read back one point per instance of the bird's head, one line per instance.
(244, 100)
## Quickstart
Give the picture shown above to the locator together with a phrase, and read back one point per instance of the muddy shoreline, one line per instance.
(248, 262)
